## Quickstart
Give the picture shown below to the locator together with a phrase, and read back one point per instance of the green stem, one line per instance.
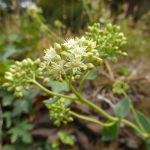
(92, 120)
(109, 69)
(50, 92)
(70, 78)
(91, 104)
(84, 78)
(134, 127)
(134, 113)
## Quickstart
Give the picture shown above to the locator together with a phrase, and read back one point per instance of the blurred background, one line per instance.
(27, 27)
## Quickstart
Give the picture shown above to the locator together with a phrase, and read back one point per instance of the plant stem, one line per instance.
(135, 127)
(50, 92)
(134, 113)
(91, 104)
(92, 120)
(83, 79)
(109, 69)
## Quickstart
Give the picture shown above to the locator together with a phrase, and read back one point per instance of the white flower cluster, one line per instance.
(70, 55)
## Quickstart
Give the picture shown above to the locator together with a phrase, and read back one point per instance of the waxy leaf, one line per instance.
(122, 108)
(93, 75)
(145, 122)
(109, 133)
(51, 100)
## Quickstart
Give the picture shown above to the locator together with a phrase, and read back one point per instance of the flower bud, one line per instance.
(70, 119)
(64, 47)
(27, 87)
(64, 122)
(30, 62)
(18, 88)
(18, 63)
(124, 54)
(13, 66)
(24, 62)
(6, 85)
(65, 54)
(77, 77)
(8, 73)
(46, 80)
(109, 27)
(90, 29)
(57, 48)
(116, 28)
(20, 95)
(12, 70)
(123, 43)
(89, 66)
(9, 78)
(114, 60)
(10, 89)
(24, 80)
(23, 73)
(18, 75)
(37, 61)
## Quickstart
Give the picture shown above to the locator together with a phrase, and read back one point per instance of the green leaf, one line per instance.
(58, 87)
(7, 117)
(109, 133)
(145, 122)
(93, 75)
(8, 147)
(79, 73)
(67, 102)
(7, 99)
(122, 108)
(66, 138)
(21, 131)
(51, 100)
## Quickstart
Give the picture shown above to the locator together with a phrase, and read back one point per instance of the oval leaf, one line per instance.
(122, 108)
(109, 133)
(78, 73)
(93, 75)
(51, 101)
(145, 122)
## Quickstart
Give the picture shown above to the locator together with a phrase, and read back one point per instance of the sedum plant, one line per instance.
(74, 59)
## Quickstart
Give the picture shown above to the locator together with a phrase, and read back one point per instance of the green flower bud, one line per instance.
(64, 122)
(89, 56)
(109, 27)
(46, 80)
(70, 119)
(30, 62)
(60, 80)
(18, 94)
(89, 66)
(12, 70)
(6, 85)
(24, 80)
(23, 73)
(18, 75)
(37, 61)
(97, 25)
(114, 60)
(18, 88)
(124, 54)
(27, 87)
(8, 73)
(120, 35)
(116, 28)
(64, 47)
(77, 77)
(24, 62)
(10, 89)
(90, 29)
(123, 43)
(57, 123)
(13, 66)
(57, 48)
(65, 55)
(9, 78)
(18, 63)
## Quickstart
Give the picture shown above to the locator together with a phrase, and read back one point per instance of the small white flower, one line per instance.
(78, 51)
(70, 42)
(50, 55)
(57, 69)
(75, 64)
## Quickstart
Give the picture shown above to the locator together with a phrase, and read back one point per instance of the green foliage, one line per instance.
(93, 75)
(145, 122)
(122, 108)
(66, 138)
(109, 133)
(21, 131)
(58, 87)
(123, 70)
(54, 144)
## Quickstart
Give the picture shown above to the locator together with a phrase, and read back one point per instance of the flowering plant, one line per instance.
(77, 57)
